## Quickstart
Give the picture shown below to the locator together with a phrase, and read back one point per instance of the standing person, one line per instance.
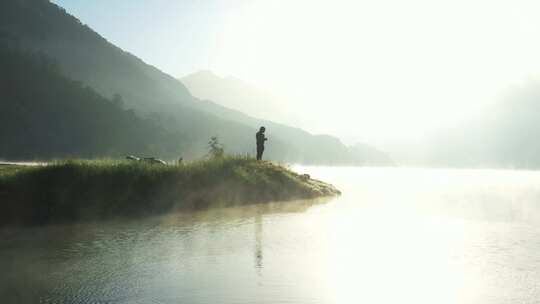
(260, 142)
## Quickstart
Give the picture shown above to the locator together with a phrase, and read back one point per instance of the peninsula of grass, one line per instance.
(79, 190)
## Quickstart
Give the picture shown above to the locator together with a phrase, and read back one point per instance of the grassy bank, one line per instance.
(89, 190)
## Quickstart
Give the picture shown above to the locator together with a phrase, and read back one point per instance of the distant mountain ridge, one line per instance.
(84, 56)
(504, 137)
(234, 93)
(240, 95)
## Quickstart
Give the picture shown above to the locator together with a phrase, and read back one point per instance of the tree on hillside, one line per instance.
(215, 148)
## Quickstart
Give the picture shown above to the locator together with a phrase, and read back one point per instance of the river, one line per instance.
(396, 235)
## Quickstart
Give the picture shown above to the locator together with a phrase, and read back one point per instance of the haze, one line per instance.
(247, 151)
(376, 71)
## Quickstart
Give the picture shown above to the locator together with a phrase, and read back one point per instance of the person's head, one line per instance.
(262, 129)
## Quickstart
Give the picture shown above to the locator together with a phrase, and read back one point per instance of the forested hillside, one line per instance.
(84, 56)
(45, 115)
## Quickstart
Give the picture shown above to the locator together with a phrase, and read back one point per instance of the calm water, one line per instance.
(394, 236)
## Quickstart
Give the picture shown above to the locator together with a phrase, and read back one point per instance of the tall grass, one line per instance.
(98, 189)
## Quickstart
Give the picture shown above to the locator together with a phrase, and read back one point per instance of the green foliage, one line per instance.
(215, 148)
(80, 190)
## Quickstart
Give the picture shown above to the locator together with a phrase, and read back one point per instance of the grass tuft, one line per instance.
(73, 190)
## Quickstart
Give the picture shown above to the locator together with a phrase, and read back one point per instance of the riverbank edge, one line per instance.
(81, 190)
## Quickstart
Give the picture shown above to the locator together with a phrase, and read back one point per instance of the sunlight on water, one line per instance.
(394, 236)
(433, 236)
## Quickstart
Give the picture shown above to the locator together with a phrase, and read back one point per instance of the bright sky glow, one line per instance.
(362, 70)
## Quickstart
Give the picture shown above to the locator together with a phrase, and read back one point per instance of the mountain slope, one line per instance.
(85, 56)
(505, 136)
(45, 115)
(236, 94)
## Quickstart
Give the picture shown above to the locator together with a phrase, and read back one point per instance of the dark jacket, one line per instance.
(260, 138)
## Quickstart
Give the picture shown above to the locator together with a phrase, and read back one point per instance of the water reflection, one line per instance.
(258, 253)
(105, 261)
(394, 236)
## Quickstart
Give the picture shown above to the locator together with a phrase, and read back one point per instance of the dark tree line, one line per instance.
(45, 115)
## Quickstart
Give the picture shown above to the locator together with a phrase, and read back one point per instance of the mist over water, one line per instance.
(363, 86)
(394, 236)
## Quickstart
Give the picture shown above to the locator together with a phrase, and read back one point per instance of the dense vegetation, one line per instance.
(85, 190)
(85, 56)
(45, 115)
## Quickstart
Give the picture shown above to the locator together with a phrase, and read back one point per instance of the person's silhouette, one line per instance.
(260, 142)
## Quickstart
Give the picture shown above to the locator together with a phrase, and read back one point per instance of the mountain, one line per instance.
(234, 93)
(373, 156)
(39, 26)
(45, 115)
(86, 56)
(505, 136)
(239, 95)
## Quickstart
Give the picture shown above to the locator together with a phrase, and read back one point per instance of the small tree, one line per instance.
(215, 148)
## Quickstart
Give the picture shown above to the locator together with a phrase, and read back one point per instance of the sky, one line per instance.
(372, 71)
